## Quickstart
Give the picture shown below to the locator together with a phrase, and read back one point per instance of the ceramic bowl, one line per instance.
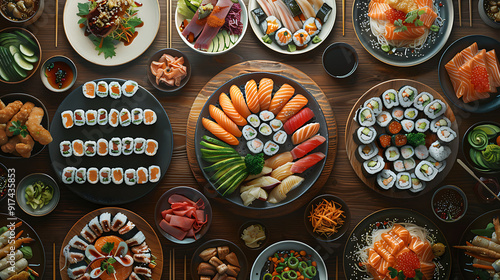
(464, 203)
(341, 231)
(260, 243)
(162, 86)
(26, 21)
(29, 180)
(58, 58)
(481, 7)
(466, 147)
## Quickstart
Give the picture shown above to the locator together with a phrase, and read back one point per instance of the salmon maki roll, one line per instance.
(230, 110)
(252, 97)
(265, 93)
(151, 147)
(89, 89)
(80, 175)
(93, 175)
(68, 175)
(137, 116)
(67, 119)
(125, 118)
(127, 146)
(65, 148)
(115, 146)
(90, 148)
(102, 147)
(292, 107)
(224, 121)
(305, 133)
(149, 117)
(154, 173)
(102, 116)
(115, 90)
(77, 147)
(239, 101)
(139, 145)
(280, 98)
(117, 175)
(220, 132)
(142, 175)
(79, 117)
(102, 89)
(114, 117)
(91, 117)
(130, 177)
(105, 175)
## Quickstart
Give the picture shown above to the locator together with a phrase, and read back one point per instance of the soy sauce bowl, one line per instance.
(449, 197)
(340, 60)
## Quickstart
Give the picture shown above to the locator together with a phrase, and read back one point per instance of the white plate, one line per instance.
(325, 30)
(244, 19)
(150, 15)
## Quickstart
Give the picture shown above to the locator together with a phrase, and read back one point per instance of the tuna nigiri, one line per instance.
(224, 121)
(239, 102)
(252, 96)
(292, 107)
(230, 111)
(280, 98)
(306, 162)
(309, 145)
(298, 120)
(305, 133)
(265, 92)
(220, 132)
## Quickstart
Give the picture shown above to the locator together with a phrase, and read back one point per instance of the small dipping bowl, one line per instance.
(340, 60)
(26, 21)
(30, 180)
(260, 243)
(63, 64)
(483, 194)
(329, 198)
(482, 5)
(162, 86)
(449, 203)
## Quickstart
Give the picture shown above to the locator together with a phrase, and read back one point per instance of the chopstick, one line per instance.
(170, 265)
(169, 27)
(173, 264)
(475, 177)
(184, 267)
(337, 268)
(54, 254)
(460, 12)
(57, 19)
(343, 18)
(470, 13)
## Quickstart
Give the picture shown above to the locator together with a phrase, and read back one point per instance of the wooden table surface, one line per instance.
(342, 95)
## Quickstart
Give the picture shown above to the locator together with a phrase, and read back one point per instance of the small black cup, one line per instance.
(340, 60)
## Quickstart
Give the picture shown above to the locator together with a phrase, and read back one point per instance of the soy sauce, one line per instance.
(340, 60)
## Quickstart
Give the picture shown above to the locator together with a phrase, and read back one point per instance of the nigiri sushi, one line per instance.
(67, 119)
(279, 193)
(281, 97)
(239, 101)
(88, 234)
(95, 226)
(252, 97)
(265, 92)
(303, 164)
(305, 133)
(298, 120)
(278, 160)
(224, 121)
(220, 132)
(230, 110)
(292, 107)
(309, 145)
(282, 172)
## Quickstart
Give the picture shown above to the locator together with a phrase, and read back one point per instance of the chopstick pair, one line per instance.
(475, 177)
(172, 266)
(169, 23)
(460, 12)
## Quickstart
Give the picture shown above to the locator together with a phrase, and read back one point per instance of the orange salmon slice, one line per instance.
(151, 147)
(78, 148)
(142, 177)
(117, 175)
(93, 175)
(69, 120)
(89, 89)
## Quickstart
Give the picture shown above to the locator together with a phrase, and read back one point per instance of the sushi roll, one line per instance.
(366, 135)
(117, 175)
(399, 166)
(249, 132)
(102, 116)
(398, 113)
(407, 151)
(78, 243)
(93, 175)
(67, 119)
(283, 37)
(79, 117)
(394, 127)
(411, 113)
(151, 147)
(440, 122)
(406, 95)
(423, 99)
(149, 117)
(439, 165)
(129, 88)
(114, 117)
(115, 90)
(65, 148)
(130, 177)
(81, 175)
(403, 181)
(137, 239)
(154, 173)
(115, 146)
(127, 146)
(421, 152)
(390, 98)
(312, 26)
(408, 125)
(384, 118)
(253, 120)
(142, 175)
(422, 125)
(293, 7)
(375, 104)
(95, 226)
(276, 125)
(68, 175)
(137, 116)
(258, 15)
(366, 152)
(118, 221)
(435, 109)
(280, 137)
(373, 165)
(77, 271)
(366, 117)
(102, 89)
(125, 118)
(271, 148)
(91, 117)
(301, 38)
(439, 152)
(416, 184)
(425, 171)
(270, 25)
(324, 13)
(105, 175)
(392, 154)
(446, 134)
(89, 89)
(399, 140)
(265, 129)
(102, 147)
(384, 140)
(386, 179)
(90, 148)
(255, 146)
(105, 221)
(266, 116)
(409, 164)
(77, 147)
(139, 145)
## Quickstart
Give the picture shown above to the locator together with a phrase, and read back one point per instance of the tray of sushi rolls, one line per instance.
(111, 134)
(111, 244)
(292, 26)
(402, 138)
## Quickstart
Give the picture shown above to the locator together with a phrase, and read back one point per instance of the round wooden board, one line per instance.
(151, 237)
(276, 68)
(352, 126)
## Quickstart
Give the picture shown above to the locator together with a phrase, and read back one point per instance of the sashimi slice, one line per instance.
(265, 92)
(394, 245)
(469, 52)
(427, 269)
(266, 7)
(239, 102)
(380, 248)
(298, 120)
(428, 17)
(175, 232)
(411, 34)
(224, 121)
(493, 68)
(177, 198)
(424, 3)
(230, 110)
(452, 70)
(374, 258)
(402, 232)
(309, 145)
(466, 88)
(252, 96)
(181, 222)
(279, 193)
(426, 255)
(286, 16)
(280, 98)
(305, 133)
(377, 10)
(305, 163)
(219, 132)
(195, 26)
(292, 107)
(214, 23)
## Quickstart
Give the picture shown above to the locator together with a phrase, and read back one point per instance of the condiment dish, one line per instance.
(30, 180)
(161, 86)
(447, 199)
(346, 217)
(50, 63)
(261, 243)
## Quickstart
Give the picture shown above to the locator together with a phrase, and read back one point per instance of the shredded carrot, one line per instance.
(486, 259)
(482, 266)
(313, 263)
(326, 217)
(102, 41)
(18, 224)
(151, 265)
(32, 271)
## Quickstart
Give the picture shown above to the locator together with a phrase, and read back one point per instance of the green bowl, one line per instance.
(29, 180)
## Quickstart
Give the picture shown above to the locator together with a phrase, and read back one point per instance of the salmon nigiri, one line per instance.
(219, 132)
(265, 92)
(252, 96)
(305, 133)
(239, 101)
(292, 107)
(224, 121)
(230, 110)
(280, 98)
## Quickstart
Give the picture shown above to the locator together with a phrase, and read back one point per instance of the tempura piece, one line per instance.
(21, 116)
(25, 145)
(10, 146)
(8, 112)
(37, 131)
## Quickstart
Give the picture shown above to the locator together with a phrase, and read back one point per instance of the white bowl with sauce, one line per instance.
(64, 64)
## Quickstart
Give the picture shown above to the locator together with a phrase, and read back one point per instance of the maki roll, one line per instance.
(384, 140)
(149, 117)
(375, 104)
(425, 171)
(105, 221)
(77, 243)
(117, 175)
(373, 165)
(407, 151)
(394, 127)
(403, 181)
(270, 25)
(118, 221)
(115, 90)
(102, 89)
(142, 175)
(79, 117)
(276, 125)
(125, 118)
(421, 152)
(88, 234)
(91, 117)
(258, 15)
(139, 145)
(90, 148)
(102, 147)
(367, 151)
(130, 177)
(384, 118)
(266, 115)
(406, 95)
(409, 164)
(127, 146)
(253, 120)
(366, 135)
(255, 146)
(312, 26)
(398, 113)
(137, 116)
(392, 154)
(81, 175)
(301, 38)
(154, 173)
(65, 148)
(411, 113)
(446, 134)
(102, 116)
(265, 129)
(105, 175)
(68, 175)
(440, 122)
(249, 132)
(422, 100)
(114, 117)
(399, 166)
(77, 147)
(293, 7)
(280, 137)
(271, 148)
(67, 119)
(422, 125)
(435, 109)
(366, 117)
(390, 98)
(93, 175)
(399, 140)
(416, 184)
(95, 226)
(115, 146)
(129, 88)
(151, 147)
(439, 165)
(89, 89)
(386, 179)
(324, 12)
(408, 125)
(439, 152)
(283, 37)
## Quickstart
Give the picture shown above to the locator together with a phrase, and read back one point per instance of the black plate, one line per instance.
(112, 194)
(310, 175)
(403, 57)
(23, 97)
(400, 215)
(479, 106)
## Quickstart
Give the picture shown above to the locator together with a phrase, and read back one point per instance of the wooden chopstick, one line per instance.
(470, 13)
(170, 265)
(169, 23)
(54, 250)
(57, 19)
(184, 267)
(337, 268)
(343, 18)
(173, 264)
(475, 177)
(460, 12)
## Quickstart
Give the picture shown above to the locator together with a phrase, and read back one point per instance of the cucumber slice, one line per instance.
(234, 38)
(31, 59)
(18, 58)
(26, 51)
(227, 40)
(215, 41)
(222, 43)
(28, 39)
(211, 47)
(3, 75)
(8, 42)
(13, 49)
(20, 71)
(7, 62)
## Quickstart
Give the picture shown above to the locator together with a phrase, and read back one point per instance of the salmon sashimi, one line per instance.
(252, 96)
(374, 258)
(427, 270)
(265, 92)
(411, 34)
(377, 9)
(239, 101)
(121, 272)
(219, 132)
(292, 107)
(394, 245)
(469, 53)
(428, 17)
(380, 248)
(493, 68)
(426, 255)
(280, 98)
(424, 3)
(305, 133)
(452, 70)
(230, 110)
(402, 232)
(225, 122)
